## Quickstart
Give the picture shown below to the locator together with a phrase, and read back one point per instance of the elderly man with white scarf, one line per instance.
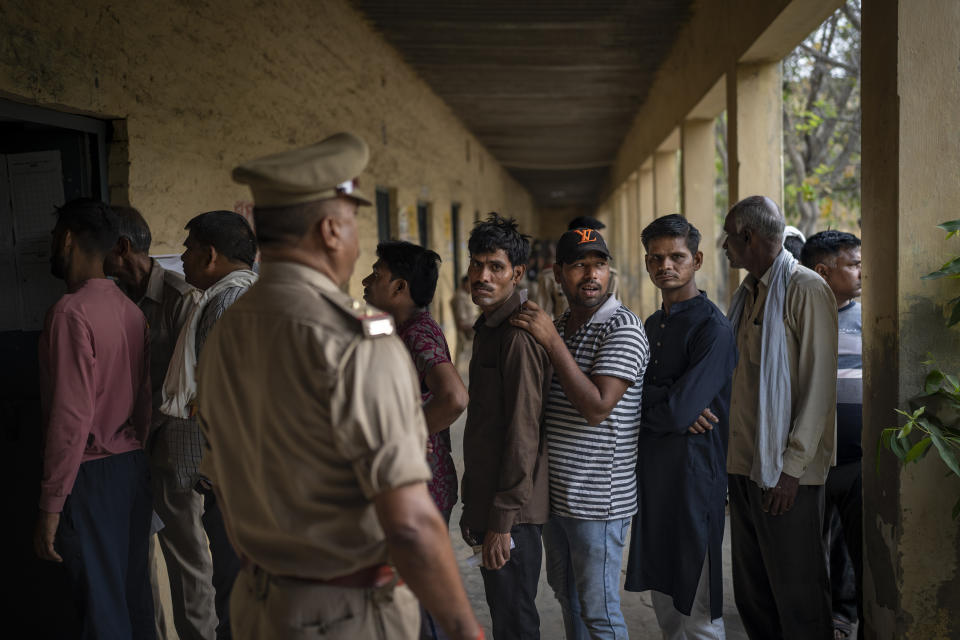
(782, 429)
(218, 260)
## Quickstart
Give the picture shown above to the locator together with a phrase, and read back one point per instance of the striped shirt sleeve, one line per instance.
(623, 353)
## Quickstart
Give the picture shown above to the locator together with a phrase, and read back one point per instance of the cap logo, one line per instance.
(348, 187)
(586, 235)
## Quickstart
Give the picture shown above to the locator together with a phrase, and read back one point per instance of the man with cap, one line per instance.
(549, 295)
(592, 421)
(315, 437)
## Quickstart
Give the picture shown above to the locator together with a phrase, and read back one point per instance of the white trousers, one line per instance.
(698, 625)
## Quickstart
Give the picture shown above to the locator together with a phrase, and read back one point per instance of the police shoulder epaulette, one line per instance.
(373, 322)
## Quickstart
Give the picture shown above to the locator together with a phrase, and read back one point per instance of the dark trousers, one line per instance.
(226, 563)
(512, 589)
(780, 580)
(843, 528)
(104, 538)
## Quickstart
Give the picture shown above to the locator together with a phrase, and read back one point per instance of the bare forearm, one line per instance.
(449, 397)
(440, 413)
(424, 558)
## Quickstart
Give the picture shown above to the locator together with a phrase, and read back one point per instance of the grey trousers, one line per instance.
(184, 546)
(696, 626)
(780, 580)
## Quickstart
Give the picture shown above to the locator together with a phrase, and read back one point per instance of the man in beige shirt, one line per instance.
(315, 437)
(779, 568)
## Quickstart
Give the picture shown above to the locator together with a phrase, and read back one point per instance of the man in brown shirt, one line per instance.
(505, 482)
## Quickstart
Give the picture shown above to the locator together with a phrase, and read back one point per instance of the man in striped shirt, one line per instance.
(599, 353)
(835, 255)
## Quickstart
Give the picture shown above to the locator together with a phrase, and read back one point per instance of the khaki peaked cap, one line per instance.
(327, 169)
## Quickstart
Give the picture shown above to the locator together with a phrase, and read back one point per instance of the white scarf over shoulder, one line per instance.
(774, 399)
(180, 384)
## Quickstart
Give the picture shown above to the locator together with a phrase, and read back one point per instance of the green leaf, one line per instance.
(948, 269)
(946, 453)
(955, 314)
(933, 381)
(950, 225)
(905, 430)
(917, 450)
(898, 448)
(954, 382)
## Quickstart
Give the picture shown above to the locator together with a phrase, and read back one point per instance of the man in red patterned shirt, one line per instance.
(402, 283)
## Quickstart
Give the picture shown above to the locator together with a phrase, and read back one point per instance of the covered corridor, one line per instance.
(539, 111)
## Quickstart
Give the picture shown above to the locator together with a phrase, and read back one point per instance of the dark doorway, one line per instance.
(455, 233)
(423, 222)
(46, 159)
(383, 214)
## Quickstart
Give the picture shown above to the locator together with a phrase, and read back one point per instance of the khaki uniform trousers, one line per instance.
(184, 546)
(264, 607)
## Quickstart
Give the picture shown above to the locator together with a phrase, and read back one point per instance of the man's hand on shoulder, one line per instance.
(536, 322)
(780, 499)
(496, 549)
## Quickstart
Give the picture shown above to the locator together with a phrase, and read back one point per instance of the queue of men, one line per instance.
(294, 443)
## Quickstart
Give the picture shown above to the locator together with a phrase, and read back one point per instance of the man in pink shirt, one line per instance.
(95, 502)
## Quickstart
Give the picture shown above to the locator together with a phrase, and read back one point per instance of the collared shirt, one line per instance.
(849, 384)
(504, 457)
(682, 477)
(810, 322)
(184, 439)
(593, 469)
(306, 424)
(428, 348)
(95, 381)
(166, 304)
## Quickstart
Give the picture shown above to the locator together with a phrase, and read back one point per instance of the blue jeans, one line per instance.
(583, 569)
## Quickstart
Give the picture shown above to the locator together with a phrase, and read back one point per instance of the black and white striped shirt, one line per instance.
(593, 469)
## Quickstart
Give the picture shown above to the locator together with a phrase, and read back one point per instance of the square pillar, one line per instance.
(699, 173)
(911, 182)
(649, 300)
(754, 136)
(667, 178)
(634, 247)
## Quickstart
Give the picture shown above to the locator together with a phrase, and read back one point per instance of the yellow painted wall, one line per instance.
(201, 87)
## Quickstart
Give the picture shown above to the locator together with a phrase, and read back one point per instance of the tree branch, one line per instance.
(830, 61)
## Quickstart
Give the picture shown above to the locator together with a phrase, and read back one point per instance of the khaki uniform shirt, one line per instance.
(166, 304)
(550, 297)
(307, 419)
(810, 321)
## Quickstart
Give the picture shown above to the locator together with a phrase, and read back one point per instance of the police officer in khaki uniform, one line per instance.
(311, 413)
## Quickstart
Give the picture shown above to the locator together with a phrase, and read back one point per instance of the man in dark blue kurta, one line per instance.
(681, 468)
